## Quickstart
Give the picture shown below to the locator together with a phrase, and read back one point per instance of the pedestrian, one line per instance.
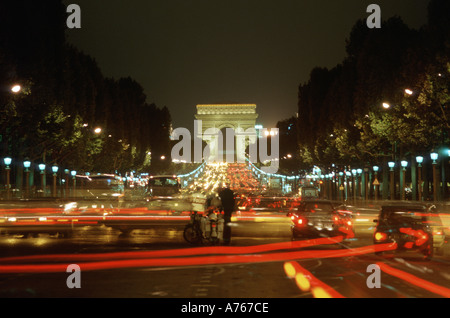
(228, 204)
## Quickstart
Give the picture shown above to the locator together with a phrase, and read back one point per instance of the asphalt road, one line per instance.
(157, 263)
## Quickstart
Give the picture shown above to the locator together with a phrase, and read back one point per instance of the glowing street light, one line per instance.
(97, 130)
(408, 91)
(7, 162)
(391, 165)
(16, 89)
(434, 157)
(386, 106)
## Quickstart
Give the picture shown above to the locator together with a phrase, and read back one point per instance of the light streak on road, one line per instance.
(308, 282)
(414, 280)
(173, 259)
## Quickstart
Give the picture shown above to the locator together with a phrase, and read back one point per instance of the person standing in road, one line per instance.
(227, 197)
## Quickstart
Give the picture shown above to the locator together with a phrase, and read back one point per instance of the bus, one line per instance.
(308, 192)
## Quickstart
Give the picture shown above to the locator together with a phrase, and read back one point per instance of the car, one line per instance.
(163, 186)
(413, 227)
(33, 225)
(318, 218)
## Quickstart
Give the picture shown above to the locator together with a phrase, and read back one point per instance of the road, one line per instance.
(157, 263)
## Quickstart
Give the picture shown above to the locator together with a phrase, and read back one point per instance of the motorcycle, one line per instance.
(206, 228)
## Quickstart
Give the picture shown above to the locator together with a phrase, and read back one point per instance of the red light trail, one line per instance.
(168, 258)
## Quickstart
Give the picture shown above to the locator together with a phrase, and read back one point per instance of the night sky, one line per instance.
(189, 52)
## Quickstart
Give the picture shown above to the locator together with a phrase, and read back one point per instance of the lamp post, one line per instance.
(42, 169)
(359, 182)
(347, 175)
(354, 180)
(27, 165)
(66, 183)
(55, 171)
(391, 165)
(434, 157)
(404, 164)
(419, 160)
(376, 183)
(7, 162)
(73, 173)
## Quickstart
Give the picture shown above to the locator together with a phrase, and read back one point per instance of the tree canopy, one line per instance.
(341, 118)
(65, 97)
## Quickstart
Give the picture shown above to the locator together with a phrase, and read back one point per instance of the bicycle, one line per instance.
(193, 232)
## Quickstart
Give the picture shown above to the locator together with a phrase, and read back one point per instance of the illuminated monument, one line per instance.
(230, 143)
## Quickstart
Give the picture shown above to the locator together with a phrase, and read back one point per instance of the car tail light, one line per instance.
(380, 236)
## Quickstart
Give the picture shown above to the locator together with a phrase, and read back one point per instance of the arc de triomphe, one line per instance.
(217, 118)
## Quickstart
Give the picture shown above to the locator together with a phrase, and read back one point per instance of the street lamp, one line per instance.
(55, 171)
(66, 183)
(386, 106)
(376, 183)
(42, 169)
(434, 156)
(27, 165)
(16, 89)
(404, 164)
(354, 180)
(419, 160)
(358, 182)
(7, 162)
(391, 165)
(73, 173)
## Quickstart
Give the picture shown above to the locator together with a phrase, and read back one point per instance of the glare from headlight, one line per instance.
(70, 206)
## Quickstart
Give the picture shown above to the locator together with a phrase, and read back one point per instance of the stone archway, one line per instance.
(228, 118)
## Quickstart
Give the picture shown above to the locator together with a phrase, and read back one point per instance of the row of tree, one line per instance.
(341, 118)
(65, 97)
